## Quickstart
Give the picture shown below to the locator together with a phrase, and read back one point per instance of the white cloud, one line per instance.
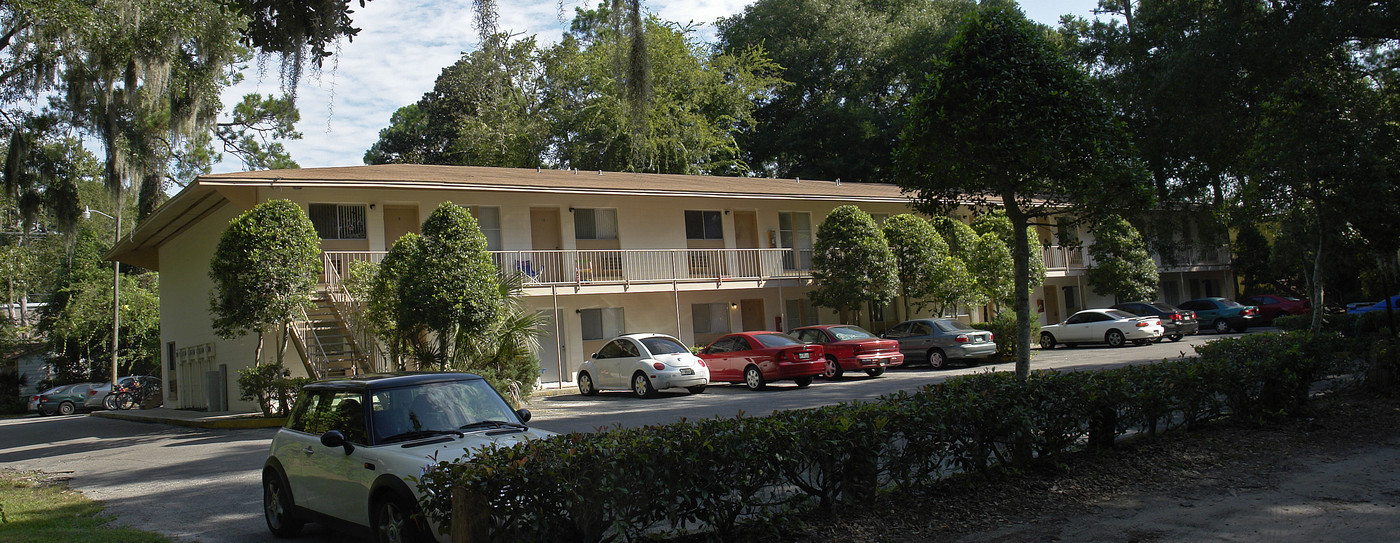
(404, 44)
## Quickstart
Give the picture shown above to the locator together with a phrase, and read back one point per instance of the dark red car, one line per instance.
(1273, 306)
(757, 358)
(850, 348)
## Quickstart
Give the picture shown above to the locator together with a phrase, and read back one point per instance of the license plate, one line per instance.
(979, 339)
(687, 371)
(804, 356)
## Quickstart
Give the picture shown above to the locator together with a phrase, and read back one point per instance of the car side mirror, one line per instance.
(594, 355)
(335, 439)
(523, 413)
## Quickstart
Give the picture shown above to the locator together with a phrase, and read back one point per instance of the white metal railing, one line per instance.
(1058, 258)
(305, 333)
(363, 342)
(1197, 256)
(623, 266)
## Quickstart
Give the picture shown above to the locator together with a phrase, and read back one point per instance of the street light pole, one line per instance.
(116, 288)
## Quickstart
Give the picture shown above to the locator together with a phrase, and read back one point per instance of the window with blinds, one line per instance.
(339, 221)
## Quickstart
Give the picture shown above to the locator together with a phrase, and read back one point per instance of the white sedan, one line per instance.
(644, 364)
(1111, 326)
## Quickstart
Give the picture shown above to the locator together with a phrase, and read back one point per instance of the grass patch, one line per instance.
(39, 507)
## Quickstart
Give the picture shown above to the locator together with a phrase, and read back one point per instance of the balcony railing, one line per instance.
(624, 266)
(1058, 258)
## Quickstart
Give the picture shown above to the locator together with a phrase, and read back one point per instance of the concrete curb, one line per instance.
(224, 423)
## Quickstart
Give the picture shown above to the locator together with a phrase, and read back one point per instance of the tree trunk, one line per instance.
(282, 344)
(1021, 300)
(257, 353)
(1318, 291)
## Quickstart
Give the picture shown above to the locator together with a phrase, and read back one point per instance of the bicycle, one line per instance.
(132, 394)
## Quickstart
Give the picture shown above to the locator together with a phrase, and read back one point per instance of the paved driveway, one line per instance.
(203, 485)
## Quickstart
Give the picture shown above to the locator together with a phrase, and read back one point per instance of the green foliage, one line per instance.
(258, 123)
(264, 269)
(927, 273)
(441, 288)
(1003, 329)
(990, 263)
(271, 386)
(637, 483)
(80, 327)
(851, 262)
(11, 386)
(841, 112)
(954, 284)
(504, 354)
(1122, 266)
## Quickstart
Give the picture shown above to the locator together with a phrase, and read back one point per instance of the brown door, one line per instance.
(752, 313)
(399, 220)
(746, 237)
(545, 236)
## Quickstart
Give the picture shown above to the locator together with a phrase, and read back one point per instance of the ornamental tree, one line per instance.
(920, 254)
(851, 261)
(1004, 118)
(1123, 268)
(264, 270)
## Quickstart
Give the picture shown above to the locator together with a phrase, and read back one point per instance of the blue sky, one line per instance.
(404, 44)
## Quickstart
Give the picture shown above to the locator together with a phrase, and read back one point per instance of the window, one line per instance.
(899, 331)
(847, 333)
(595, 224)
(664, 345)
(795, 232)
(801, 312)
(954, 326)
(703, 225)
(729, 345)
(920, 328)
(612, 350)
(774, 340)
(489, 219)
(710, 318)
(810, 335)
(338, 221)
(602, 323)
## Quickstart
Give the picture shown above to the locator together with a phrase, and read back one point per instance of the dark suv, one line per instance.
(1176, 323)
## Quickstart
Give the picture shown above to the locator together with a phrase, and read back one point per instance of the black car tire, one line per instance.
(641, 386)
(1175, 337)
(67, 408)
(585, 384)
(278, 507)
(753, 378)
(1114, 338)
(696, 389)
(936, 359)
(1222, 326)
(803, 381)
(833, 369)
(391, 520)
(1047, 341)
(875, 372)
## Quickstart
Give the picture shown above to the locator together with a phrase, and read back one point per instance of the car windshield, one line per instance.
(1120, 314)
(776, 340)
(664, 345)
(1229, 303)
(950, 325)
(843, 333)
(410, 412)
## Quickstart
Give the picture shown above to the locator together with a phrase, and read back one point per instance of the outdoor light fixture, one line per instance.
(116, 287)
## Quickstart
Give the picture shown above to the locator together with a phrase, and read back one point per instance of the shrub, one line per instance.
(11, 401)
(1003, 329)
(271, 386)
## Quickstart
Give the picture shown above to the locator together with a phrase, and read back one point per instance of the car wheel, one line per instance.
(1114, 338)
(696, 389)
(1047, 341)
(1175, 337)
(391, 520)
(110, 401)
(753, 378)
(641, 386)
(833, 369)
(66, 408)
(803, 381)
(936, 359)
(875, 372)
(126, 400)
(585, 384)
(277, 506)
(1222, 326)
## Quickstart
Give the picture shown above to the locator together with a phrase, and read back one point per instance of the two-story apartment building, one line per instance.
(603, 252)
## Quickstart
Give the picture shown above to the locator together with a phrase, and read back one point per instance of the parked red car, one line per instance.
(1273, 306)
(850, 348)
(758, 358)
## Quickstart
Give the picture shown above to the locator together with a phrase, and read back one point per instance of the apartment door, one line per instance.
(746, 237)
(551, 352)
(545, 236)
(399, 220)
(1052, 305)
(752, 313)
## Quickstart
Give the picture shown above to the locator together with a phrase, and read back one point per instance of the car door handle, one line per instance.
(308, 451)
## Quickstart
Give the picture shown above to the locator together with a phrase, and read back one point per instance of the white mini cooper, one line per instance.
(348, 445)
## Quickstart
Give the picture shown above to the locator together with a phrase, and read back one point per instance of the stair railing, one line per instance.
(313, 353)
(347, 307)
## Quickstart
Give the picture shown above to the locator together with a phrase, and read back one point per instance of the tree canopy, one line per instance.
(851, 262)
(1122, 266)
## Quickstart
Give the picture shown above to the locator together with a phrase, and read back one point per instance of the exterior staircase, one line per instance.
(325, 342)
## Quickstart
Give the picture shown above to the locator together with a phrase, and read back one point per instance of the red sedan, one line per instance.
(1273, 306)
(757, 358)
(851, 348)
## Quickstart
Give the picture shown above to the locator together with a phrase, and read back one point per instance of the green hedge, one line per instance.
(1003, 329)
(716, 474)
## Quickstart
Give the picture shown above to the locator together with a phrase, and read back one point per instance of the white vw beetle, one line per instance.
(349, 444)
(644, 364)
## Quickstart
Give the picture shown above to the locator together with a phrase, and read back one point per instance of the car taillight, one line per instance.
(962, 338)
(991, 336)
(1176, 316)
(91, 393)
(1141, 324)
(701, 361)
